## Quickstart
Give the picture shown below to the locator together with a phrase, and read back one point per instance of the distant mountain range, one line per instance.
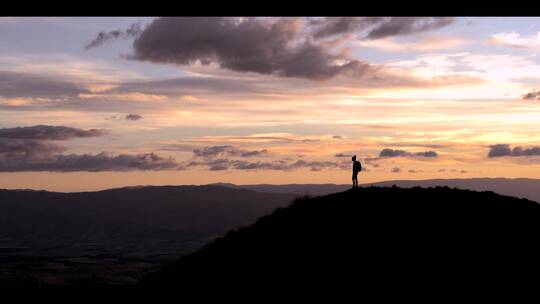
(518, 187)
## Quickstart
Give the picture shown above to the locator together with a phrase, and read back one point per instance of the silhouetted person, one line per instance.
(357, 167)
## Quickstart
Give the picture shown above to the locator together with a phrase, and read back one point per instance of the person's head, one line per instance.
(354, 158)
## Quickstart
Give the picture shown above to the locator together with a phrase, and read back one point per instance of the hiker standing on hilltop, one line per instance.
(357, 167)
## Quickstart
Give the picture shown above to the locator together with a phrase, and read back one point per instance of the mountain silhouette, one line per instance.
(371, 237)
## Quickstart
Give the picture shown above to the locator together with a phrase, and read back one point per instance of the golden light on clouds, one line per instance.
(291, 115)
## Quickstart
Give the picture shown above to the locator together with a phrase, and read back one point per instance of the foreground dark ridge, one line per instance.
(384, 236)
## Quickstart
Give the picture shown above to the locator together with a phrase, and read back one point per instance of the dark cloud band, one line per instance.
(44, 132)
(214, 157)
(280, 165)
(377, 27)
(87, 162)
(133, 117)
(343, 155)
(27, 148)
(502, 150)
(402, 153)
(286, 47)
(215, 151)
(241, 44)
(32, 149)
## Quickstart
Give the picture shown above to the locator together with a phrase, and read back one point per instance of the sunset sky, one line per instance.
(94, 103)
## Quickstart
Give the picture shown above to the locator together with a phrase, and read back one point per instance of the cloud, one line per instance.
(34, 143)
(215, 158)
(33, 149)
(215, 151)
(280, 165)
(133, 117)
(253, 153)
(378, 27)
(219, 164)
(499, 150)
(44, 132)
(14, 85)
(426, 154)
(244, 45)
(533, 95)
(331, 26)
(212, 151)
(502, 150)
(393, 153)
(395, 26)
(514, 40)
(87, 162)
(401, 153)
(271, 46)
(27, 148)
(343, 155)
(103, 37)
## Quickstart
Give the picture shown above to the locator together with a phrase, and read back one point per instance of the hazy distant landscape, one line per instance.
(114, 236)
(519, 187)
